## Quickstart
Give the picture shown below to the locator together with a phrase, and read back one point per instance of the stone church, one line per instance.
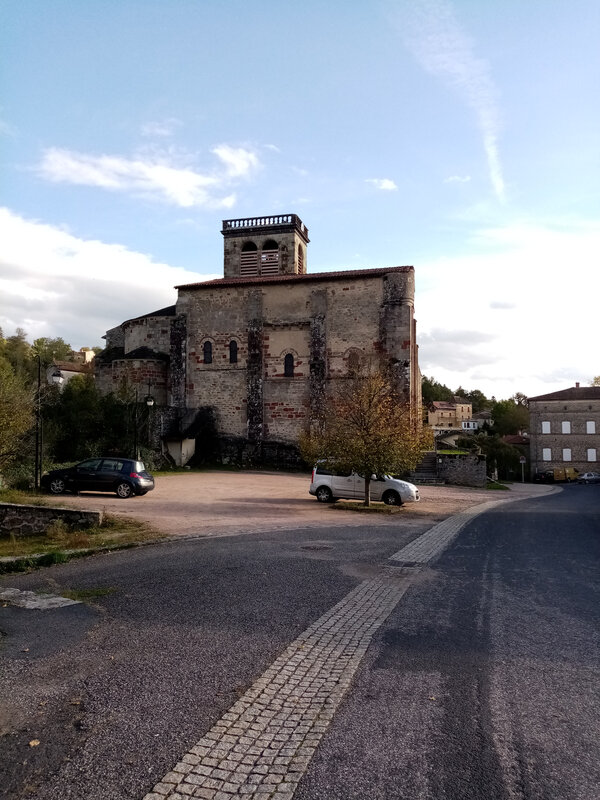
(252, 356)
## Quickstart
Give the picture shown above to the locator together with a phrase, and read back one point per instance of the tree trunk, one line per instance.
(367, 490)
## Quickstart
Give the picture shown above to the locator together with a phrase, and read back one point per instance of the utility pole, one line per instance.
(38, 424)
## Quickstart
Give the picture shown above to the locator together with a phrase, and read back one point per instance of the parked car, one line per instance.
(124, 476)
(328, 486)
(589, 477)
(567, 474)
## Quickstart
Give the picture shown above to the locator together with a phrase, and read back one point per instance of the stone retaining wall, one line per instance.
(463, 470)
(22, 521)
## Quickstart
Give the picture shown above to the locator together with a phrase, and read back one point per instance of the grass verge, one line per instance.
(62, 543)
(25, 498)
(374, 508)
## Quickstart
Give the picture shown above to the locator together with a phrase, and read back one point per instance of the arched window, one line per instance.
(249, 260)
(288, 365)
(207, 349)
(269, 259)
(233, 352)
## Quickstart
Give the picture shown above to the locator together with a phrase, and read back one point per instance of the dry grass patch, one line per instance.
(60, 538)
(374, 508)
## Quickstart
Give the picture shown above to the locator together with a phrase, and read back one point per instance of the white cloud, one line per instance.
(385, 184)
(440, 45)
(238, 161)
(152, 175)
(527, 287)
(55, 284)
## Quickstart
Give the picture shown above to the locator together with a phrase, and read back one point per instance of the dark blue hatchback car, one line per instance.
(124, 476)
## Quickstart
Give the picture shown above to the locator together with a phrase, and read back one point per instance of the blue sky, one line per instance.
(460, 137)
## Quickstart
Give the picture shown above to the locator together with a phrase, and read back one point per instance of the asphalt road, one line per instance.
(483, 683)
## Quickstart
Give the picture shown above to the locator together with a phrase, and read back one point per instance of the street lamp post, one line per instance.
(149, 402)
(57, 379)
(38, 423)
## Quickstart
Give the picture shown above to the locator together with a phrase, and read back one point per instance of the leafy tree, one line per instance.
(510, 416)
(16, 412)
(498, 454)
(595, 381)
(50, 350)
(478, 400)
(368, 429)
(17, 351)
(73, 421)
(433, 390)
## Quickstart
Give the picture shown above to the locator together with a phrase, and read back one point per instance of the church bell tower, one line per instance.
(264, 246)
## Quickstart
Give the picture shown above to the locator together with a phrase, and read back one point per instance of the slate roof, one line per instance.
(167, 311)
(574, 393)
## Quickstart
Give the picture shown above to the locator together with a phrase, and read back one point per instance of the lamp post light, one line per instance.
(57, 379)
(149, 402)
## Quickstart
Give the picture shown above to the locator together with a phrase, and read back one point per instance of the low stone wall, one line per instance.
(21, 521)
(463, 470)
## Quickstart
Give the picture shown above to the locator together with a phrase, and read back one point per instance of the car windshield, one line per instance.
(138, 466)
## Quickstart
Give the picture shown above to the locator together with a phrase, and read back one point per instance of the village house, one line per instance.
(565, 429)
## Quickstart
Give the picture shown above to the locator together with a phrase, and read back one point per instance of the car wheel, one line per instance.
(57, 486)
(124, 489)
(324, 494)
(391, 498)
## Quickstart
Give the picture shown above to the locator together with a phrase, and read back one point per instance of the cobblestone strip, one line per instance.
(434, 541)
(262, 746)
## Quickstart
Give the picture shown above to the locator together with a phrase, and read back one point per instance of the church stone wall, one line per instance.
(318, 322)
(151, 332)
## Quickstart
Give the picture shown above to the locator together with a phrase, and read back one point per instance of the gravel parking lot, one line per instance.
(221, 503)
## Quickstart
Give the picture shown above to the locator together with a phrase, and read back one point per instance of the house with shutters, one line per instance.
(565, 429)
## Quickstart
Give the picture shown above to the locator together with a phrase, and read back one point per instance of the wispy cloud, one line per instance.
(154, 175)
(239, 162)
(442, 47)
(457, 179)
(161, 128)
(384, 184)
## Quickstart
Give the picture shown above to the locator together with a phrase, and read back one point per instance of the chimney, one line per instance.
(577, 385)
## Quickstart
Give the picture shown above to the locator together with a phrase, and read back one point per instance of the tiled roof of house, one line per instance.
(72, 366)
(516, 438)
(349, 274)
(574, 393)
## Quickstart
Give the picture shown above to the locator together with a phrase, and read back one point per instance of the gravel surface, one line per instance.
(217, 503)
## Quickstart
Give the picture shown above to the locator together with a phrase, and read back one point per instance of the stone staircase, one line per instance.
(426, 471)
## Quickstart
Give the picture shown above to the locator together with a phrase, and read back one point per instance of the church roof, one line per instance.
(345, 275)
(168, 311)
